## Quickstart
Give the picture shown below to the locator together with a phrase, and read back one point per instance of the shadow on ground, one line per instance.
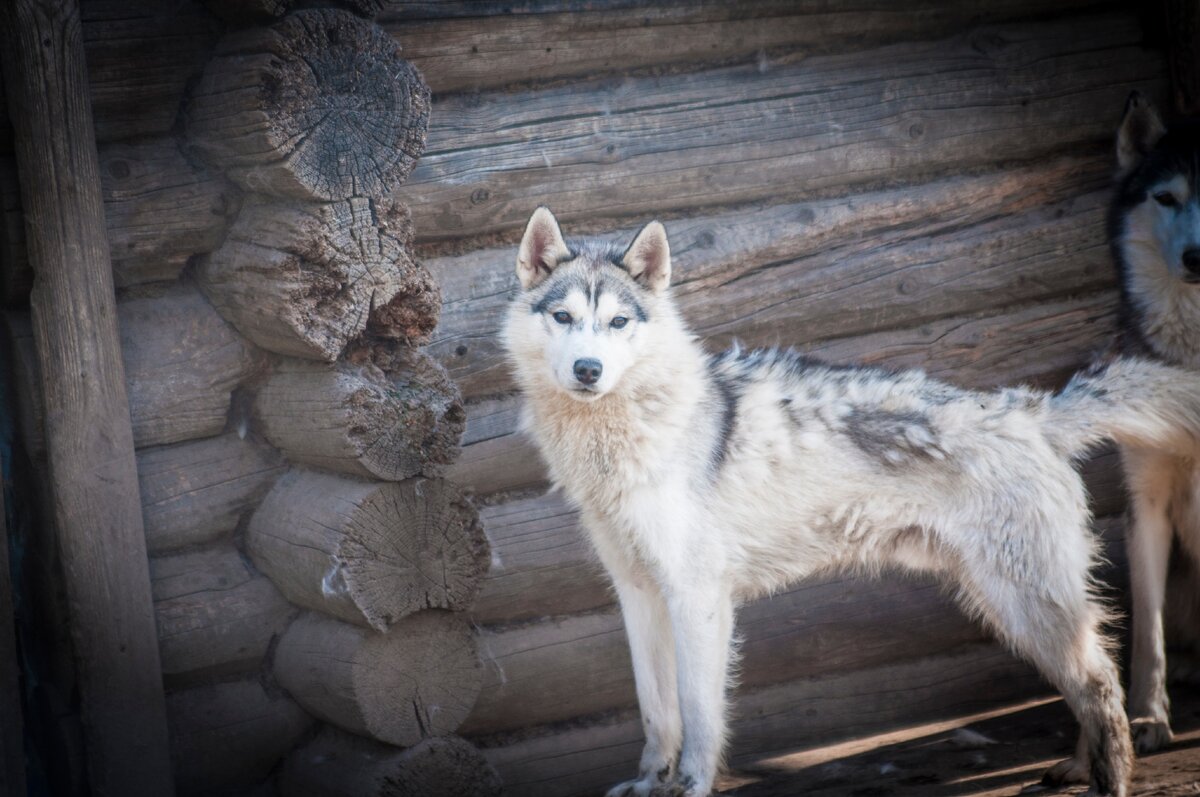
(1001, 753)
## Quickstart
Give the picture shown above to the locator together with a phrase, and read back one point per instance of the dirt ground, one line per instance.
(999, 754)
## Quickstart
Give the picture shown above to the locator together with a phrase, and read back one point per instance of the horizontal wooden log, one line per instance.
(338, 764)
(306, 278)
(496, 457)
(420, 679)
(456, 53)
(228, 737)
(355, 417)
(160, 209)
(320, 105)
(671, 143)
(370, 553)
(216, 616)
(140, 56)
(182, 361)
(581, 759)
(195, 493)
(542, 563)
(1040, 344)
(797, 273)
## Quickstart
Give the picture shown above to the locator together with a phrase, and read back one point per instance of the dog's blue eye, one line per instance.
(1166, 199)
(619, 322)
(562, 317)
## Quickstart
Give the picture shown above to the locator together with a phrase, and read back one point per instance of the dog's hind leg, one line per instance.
(1038, 600)
(1148, 542)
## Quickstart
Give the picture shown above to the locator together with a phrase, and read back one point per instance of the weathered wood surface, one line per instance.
(801, 272)
(339, 764)
(663, 144)
(456, 52)
(182, 361)
(357, 418)
(140, 56)
(420, 679)
(227, 737)
(1037, 344)
(89, 442)
(216, 616)
(370, 553)
(543, 565)
(320, 105)
(161, 210)
(585, 759)
(195, 493)
(305, 278)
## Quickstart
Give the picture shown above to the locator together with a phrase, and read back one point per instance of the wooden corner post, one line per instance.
(89, 438)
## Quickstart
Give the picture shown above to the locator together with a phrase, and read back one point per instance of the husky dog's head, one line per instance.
(1156, 216)
(583, 316)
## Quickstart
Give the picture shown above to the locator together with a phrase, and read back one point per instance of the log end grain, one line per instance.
(391, 422)
(319, 106)
(369, 553)
(303, 279)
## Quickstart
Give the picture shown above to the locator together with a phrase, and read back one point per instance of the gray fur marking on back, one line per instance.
(892, 437)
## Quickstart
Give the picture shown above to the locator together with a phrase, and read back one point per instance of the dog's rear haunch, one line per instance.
(705, 480)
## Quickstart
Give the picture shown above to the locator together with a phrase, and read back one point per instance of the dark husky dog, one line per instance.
(1154, 229)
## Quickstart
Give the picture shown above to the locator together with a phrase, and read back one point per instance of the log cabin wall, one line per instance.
(908, 185)
(911, 185)
(311, 566)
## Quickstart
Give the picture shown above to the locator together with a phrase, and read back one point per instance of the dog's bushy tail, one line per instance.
(1136, 402)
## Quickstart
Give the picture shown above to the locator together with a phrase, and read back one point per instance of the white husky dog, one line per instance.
(1154, 227)
(706, 480)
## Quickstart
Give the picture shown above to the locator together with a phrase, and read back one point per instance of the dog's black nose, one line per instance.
(1191, 261)
(588, 370)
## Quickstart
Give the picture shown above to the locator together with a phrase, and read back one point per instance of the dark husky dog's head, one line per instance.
(1154, 228)
(586, 310)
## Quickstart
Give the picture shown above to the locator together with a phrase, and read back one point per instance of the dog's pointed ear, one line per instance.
(648, 258)
(542, 248)
(1140, 130)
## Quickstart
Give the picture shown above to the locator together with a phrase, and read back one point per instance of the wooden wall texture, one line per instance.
(917, 184)
(914, 185)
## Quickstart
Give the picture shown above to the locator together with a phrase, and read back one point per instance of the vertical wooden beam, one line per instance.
(89, 439)
(1183, 54)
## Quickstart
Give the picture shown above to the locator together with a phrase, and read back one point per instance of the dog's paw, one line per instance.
(1150, 735)
(681, 787)
(642, 787)
(1069, 770)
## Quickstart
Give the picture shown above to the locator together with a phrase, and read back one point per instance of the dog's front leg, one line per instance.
(702, 621)
(652, 649)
